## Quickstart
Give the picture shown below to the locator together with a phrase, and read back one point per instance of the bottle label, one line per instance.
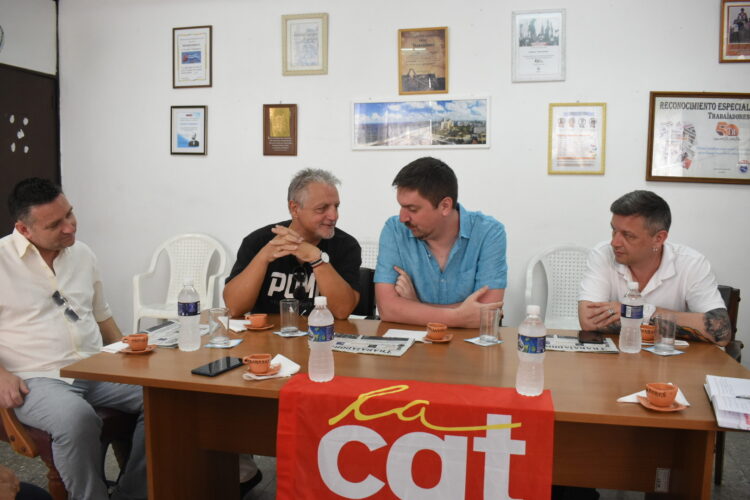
(321, 333)
(188, 308)
(533, 345)
(631, 312)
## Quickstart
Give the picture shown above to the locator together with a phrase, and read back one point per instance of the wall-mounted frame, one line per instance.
(280, 130)
(538, 45)
(304, 44)
(188, 130)
(191, 57)
(734, 38)
(577, 138)
(423, 61)
(699, 137)
(425, 124)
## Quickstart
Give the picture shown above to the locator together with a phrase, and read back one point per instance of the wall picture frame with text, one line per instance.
(279, 130)
(538, 45)
(304, 44)
(734, 35)
(423, 61)
(192, 59)
(188, 130)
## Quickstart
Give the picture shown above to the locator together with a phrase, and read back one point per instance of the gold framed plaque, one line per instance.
(423, 61)
(279, 130)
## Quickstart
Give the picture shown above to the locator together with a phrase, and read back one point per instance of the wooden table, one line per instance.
(195, 425)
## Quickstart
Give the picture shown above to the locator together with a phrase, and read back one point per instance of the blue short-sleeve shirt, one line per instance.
(476, 259)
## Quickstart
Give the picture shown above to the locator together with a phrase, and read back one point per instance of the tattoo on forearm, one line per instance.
(718, 325)
(687, 333)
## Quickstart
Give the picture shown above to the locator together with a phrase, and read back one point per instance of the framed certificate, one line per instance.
(538, 45)
(577, 135)
(280, 130)
(699, 137)
(734, 38)
(423, 61)
(304, 43)
(191, 57)
(188, 130)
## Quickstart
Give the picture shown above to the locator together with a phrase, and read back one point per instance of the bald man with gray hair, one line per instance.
(300, 258)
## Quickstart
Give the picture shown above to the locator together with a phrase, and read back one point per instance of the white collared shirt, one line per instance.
(683, 282)
(36, 338)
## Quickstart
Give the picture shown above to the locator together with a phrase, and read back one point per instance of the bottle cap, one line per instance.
(632, 285)
(321, 301)
(532, 309)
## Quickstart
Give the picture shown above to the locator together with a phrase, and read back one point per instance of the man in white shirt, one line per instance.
(53, 313)
(671, 277)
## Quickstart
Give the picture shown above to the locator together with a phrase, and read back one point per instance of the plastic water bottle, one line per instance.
(188, 309)
(320, 328)
(631, 317)
(531, 337)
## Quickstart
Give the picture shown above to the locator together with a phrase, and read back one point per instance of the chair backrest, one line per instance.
(564, 267)
(369, 253)
(731, 297)
(189, 258)
(366, 306)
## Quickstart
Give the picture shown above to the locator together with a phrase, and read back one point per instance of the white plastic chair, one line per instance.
(369, 253)
(564, 267)
(189, 258)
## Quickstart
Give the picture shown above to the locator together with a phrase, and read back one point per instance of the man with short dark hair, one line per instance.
(437, 261)
(298, 258)
(53, 313)
(671, 277)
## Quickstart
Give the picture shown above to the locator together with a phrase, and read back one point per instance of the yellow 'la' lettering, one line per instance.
(355, 408)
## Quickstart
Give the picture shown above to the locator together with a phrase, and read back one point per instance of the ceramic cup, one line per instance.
(259, 363)
(660, 394)
(436, 331)
(257, 320)
(647, 332)
(137, 341)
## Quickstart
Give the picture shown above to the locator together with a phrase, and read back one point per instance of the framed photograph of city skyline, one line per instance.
(423, 61)
(577, 138)
(188, 130)
(191, 57)
(421, 124)
(734, 35)
(538, 46)
(304, 44)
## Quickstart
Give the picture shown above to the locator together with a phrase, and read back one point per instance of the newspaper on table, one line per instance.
(365, 344)
(571, 344)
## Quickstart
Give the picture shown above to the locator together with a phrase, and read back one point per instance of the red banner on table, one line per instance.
(366, 438)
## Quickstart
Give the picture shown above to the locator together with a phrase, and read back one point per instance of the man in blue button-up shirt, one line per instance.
(437, 261)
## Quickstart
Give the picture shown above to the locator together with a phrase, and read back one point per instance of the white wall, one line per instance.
(130, 194)
(30, 34)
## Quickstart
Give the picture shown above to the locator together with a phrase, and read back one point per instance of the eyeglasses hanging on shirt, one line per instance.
(63, 302)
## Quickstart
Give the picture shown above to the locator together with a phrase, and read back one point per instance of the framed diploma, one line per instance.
(538, 45)
(304, 48)
(188, 130)
(699, 137)
(577, 135)
(423, 124)
(280, 130)
(423, 61)
(734, 41)
(191, 57)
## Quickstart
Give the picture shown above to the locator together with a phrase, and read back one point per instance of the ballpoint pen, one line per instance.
(743, 397)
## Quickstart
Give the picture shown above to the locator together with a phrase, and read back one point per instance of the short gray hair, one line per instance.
(305, 177)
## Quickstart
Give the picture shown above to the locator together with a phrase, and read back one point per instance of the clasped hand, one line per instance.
(602, 314)
(288, 242)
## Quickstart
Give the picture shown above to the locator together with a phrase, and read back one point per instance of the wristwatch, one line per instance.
(324, 259)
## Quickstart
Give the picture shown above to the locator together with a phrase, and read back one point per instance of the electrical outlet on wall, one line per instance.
(661, 483)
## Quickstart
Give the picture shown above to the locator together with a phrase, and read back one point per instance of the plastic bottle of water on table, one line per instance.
(320, 329)
(631, 317)
(188, 310)
(531, 339)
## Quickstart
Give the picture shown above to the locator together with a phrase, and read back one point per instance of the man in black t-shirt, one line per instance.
(299, 258)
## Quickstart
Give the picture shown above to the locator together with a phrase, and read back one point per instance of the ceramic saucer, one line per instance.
(674, 407)
(272, 370)
(447, 338)
(148, 349)
(258, 328)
